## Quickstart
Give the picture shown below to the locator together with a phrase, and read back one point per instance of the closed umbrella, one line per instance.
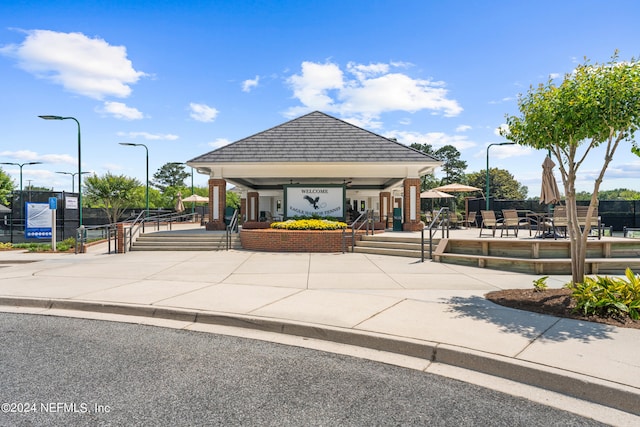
(179, 204)
(549, 193)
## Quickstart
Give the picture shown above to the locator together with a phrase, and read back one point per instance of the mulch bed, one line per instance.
(555, 302)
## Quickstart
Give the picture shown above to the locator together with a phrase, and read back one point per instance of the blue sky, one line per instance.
(185, 78)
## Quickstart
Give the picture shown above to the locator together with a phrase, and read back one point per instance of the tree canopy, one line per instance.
(502, 184)
(6, 187)
(170, 175)
(595, 105)
(113, 193)
(453, 166)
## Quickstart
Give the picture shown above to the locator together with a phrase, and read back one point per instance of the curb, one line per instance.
(595, 390)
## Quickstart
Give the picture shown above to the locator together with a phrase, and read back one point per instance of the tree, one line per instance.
(170, 175)
(502, 184)
(113, 193)
(594, 105)
(453, 167)
(6, 187)
(617, 194)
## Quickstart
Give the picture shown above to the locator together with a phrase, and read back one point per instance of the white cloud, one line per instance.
(202, 112)
(120, 110)
(366, 91)
(247, 85)
(86, 66)
(503, 128)
(505, 151)
(149, 136)
(23, 156)
(220, 142)
(463, 128)
(435, 139)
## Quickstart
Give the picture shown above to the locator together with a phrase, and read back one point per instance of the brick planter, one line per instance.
(272, 240)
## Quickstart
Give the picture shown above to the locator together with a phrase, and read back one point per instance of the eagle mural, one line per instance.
(313, 201)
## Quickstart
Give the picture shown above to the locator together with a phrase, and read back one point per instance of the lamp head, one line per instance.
(51, 117)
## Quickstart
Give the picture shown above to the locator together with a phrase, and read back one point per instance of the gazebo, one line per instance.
(316, 164)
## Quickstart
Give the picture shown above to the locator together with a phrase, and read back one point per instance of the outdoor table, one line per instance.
(541, 219)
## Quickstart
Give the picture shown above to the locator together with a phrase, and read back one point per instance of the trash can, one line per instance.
(397, 219)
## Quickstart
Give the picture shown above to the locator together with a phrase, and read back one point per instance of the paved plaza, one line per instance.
(432, 312)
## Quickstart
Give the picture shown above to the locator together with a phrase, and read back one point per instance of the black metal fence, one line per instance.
(12, 225)
(615, 213)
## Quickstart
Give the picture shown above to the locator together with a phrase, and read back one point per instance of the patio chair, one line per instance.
(471, 218)
(453, 219)
(490, 221)
(560, 221)
(511, 219)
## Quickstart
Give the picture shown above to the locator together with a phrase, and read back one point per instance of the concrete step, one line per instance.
(172, 241)
(389, 251)
(395, 245)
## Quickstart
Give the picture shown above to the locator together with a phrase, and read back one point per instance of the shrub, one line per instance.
(309, 224)
(609, 296)
(540, 284)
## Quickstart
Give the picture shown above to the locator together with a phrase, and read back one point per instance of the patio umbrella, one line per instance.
(179, 204)
(434, 194)
(549, 193)
(195, 198)
(457, 188)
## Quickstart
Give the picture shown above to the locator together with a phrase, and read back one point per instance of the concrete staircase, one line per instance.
(385, 244)
(185, 241)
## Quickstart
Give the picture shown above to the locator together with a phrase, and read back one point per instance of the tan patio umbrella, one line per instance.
(179, 204)
(435, 194)
(457, 188)
(195, 198)
(549, 193)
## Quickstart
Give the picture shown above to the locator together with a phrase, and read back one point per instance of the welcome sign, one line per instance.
(321, 200)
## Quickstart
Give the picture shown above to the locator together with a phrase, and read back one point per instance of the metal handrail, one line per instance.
(231, 228)
(140, 221)
(367, 217)
(439, 222)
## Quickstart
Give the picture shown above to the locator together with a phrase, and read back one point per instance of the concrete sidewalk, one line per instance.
(432, 311)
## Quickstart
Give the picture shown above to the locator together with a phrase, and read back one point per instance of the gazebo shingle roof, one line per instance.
(315, 137)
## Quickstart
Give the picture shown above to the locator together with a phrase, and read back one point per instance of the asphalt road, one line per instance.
(70, 372)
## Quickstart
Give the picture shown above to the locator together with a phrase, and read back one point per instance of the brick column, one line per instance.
(217, 204)
(253, 206)
(386, 208)
(120, 249)
(412, 205)
(243, 210)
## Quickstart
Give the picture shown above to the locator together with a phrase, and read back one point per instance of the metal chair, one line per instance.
(511, 219)
(471, 218)
(489, 221)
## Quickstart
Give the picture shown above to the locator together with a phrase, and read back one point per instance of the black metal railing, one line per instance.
(232, 227)
(366, 220)
(440, 221)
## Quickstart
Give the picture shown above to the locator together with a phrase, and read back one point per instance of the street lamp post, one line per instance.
(79, 162)
(486, 196)
(147, 151)
(73, 179)
(20, 165)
